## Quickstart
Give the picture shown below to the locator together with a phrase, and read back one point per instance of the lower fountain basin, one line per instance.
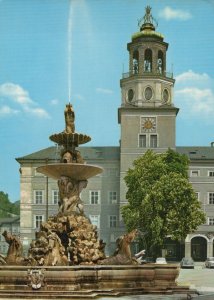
(72, 170)
(89, 281)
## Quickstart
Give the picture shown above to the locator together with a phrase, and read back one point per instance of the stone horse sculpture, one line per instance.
(15, 250)
(122, 255)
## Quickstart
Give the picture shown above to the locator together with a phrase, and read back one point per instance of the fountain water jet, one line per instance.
(70, 17)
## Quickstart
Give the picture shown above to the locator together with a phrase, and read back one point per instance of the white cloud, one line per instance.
(19, 97)
(104, 91)
(195, 94)
(191, 76)
(196, 101)
(54, 101)
(6, 110)
(169, 13)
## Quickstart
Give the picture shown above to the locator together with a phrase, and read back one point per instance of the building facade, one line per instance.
(147, 117)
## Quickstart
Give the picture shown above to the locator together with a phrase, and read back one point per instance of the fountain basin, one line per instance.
(72, 170)
(89, 281)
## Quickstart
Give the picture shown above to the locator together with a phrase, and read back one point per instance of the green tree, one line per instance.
(8, 209)
(161, 201)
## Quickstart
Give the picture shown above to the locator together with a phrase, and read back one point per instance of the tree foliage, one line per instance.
(161, 201)
(8, 209)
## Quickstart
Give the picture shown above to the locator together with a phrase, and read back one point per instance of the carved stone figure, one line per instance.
(47, 250)
(65, 240)
(69, 119)
(159, 65)
(69, 191)
(15, 250)
(122, 255)
(36, 278)
(72, 156)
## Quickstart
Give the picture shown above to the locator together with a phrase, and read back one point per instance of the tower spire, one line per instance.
(148, 21)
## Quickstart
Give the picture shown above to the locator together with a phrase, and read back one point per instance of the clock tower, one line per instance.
(147, 115)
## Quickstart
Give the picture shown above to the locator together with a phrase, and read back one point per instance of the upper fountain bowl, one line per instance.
(72, 170)
(64, 138)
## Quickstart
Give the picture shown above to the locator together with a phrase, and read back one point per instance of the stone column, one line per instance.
(154, 60)
(209, 248)
(141, 60)
(187, 249)
(130, 62)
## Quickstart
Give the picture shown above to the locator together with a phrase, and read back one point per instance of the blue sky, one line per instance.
(50, 49)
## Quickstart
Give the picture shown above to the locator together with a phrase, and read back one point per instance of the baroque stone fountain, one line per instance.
(66, 259)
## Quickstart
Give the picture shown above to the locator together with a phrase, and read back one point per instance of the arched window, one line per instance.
(148, 61)
(160, 62)
(199, 248)
(135, 62)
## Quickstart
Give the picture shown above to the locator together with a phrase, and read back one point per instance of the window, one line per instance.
(38, 221)
(38, 196)
(194, 173)
(211, 173)
(112, 221)
(211, 198)
(153, 141)
(142, 141)
(94, 197)
(112, 197)
(95, 220)
(55, 196)
(210, 220)
(197, 194)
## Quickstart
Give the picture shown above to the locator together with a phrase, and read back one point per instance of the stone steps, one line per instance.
(85, 294)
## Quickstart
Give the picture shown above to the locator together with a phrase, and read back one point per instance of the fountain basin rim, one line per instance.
(72, 170)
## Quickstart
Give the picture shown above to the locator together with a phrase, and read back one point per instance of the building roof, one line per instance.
(197, 153)
(113, 153)
(9, 220)
(53, 153)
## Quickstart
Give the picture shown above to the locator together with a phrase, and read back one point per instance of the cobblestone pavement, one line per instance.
(200, 278)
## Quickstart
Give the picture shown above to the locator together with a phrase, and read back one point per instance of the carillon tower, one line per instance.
(147, 115)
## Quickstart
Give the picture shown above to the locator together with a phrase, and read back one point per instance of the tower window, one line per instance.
(153, 141)
(148, 61)
(130, 95)
(142, 140)
(160, 62)
(148, 93)
(135, 62)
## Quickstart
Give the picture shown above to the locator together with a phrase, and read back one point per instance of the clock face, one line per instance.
(165, 95)
(148, 124)
(148, 93)
(130, 95)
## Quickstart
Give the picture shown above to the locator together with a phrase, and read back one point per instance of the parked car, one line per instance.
(209, 262)
(147, 260)
(161, 260)
(187, 263)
